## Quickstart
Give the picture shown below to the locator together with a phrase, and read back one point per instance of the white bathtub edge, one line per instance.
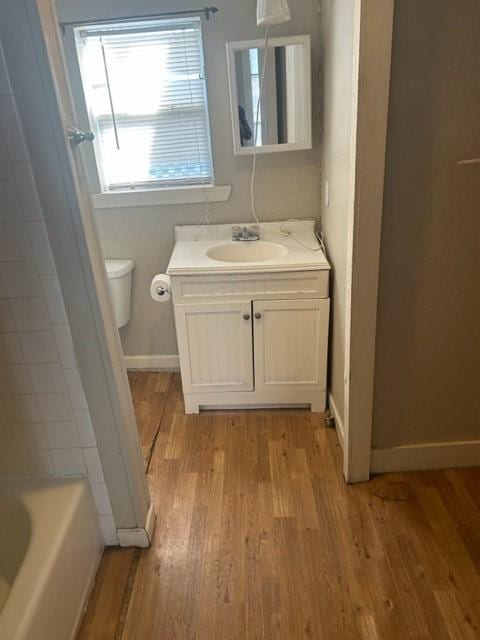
(51, 589)
(86, 596)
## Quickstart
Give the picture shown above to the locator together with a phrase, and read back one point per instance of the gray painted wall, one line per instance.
(288, 184)
(428, 342)
(337, 169)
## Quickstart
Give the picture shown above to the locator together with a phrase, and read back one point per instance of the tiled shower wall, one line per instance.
(45, 427)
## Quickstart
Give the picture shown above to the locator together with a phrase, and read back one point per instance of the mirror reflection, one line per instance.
(280, 115)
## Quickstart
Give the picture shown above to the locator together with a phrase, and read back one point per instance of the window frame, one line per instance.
(134, 194)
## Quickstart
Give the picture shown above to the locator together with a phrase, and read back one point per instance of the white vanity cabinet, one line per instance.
(215, 344)
(252, 340)
(290, 345)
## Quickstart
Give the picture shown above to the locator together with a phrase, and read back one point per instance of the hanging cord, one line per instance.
(109, 90)
(205, 219)
(318, 235)
(255, 134)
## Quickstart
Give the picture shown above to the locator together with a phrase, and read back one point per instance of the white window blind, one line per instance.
(144, 87)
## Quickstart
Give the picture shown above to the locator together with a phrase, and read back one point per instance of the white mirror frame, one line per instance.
(232, 47)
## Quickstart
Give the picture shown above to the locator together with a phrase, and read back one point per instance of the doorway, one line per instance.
(46, 107)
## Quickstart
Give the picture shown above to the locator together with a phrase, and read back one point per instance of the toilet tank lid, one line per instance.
(118, 268)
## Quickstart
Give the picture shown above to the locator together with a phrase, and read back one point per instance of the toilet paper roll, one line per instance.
(160, 288)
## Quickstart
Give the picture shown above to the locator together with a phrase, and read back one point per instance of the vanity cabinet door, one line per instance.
(215, 345)
(290, 338)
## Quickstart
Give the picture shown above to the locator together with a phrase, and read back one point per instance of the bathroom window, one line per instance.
(145, 93)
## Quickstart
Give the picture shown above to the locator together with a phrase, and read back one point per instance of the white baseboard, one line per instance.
(416, 457)
(157, 363)
(138, 537)
(338, 421)
(150, 521)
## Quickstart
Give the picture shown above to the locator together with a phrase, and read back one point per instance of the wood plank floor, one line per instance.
(258, 537)
(149, 394)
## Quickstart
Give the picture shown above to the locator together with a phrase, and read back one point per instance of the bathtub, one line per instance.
(50, 546)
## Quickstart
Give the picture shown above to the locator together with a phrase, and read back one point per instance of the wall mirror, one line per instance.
(282, 118)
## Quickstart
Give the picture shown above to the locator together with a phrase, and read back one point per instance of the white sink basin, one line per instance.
(250, 251)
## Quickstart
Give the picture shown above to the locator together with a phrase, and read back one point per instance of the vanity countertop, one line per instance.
(193, 243)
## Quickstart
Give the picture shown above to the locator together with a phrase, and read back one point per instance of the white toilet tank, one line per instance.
(120, 284)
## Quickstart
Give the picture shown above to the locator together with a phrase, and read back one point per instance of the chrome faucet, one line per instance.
(246, 234)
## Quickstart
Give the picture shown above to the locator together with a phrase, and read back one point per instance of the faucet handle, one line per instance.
(254, 230)
(236, 231)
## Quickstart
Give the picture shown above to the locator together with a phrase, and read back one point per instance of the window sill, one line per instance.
(155, 197)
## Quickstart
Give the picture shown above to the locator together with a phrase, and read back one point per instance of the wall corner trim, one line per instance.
(434, 455)
(140, 537)
(374, 33)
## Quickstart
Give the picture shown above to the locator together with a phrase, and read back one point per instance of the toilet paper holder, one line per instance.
(160, 288)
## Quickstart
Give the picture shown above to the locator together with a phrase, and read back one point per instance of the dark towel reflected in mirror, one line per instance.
(245, 130)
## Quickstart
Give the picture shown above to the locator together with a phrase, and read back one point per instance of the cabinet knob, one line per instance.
(246, 316)
(258, 315)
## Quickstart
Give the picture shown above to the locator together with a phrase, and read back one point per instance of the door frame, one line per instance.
(373, 42)
(74, 240)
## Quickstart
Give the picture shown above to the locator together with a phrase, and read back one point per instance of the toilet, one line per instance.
(119, 274)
